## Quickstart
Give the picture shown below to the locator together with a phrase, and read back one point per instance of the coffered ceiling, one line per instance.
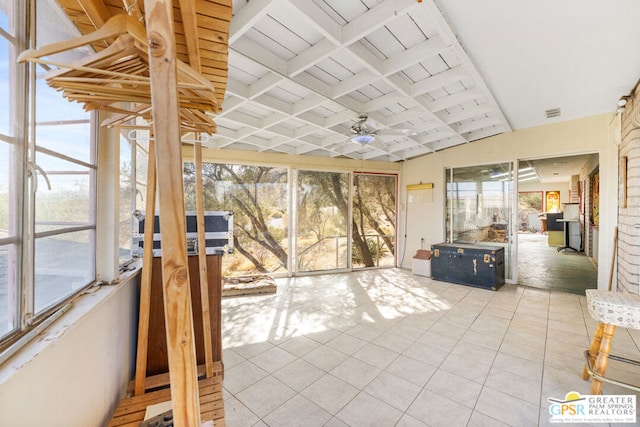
(445, 73)
(301, 71)
(428, 74)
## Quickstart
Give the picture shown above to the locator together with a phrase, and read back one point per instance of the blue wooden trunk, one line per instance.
(474, 265)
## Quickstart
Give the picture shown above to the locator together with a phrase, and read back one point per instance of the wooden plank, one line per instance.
(215, 298)
(213, 46)
(133, 9)
(157, 362)
(215, 9)
(221, 10)
(213, 23)
(130, 411)
(204, 34)
(96, 11)
(156, 382)
(190, 29)
(216, 73)
(202, 262)
(175, 274)
(220, 63)
(145, 281)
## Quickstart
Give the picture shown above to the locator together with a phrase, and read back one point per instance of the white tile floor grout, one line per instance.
(389, 348)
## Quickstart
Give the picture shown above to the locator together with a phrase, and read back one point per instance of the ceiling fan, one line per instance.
(364, 131)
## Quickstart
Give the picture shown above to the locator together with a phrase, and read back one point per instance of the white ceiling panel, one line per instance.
(271, 41)
(342, 11)
(383, 41)
(302, 71)
(298, 28)
(284, 95)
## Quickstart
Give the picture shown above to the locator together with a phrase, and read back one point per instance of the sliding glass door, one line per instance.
(336, 220)
(374, 220)
(322, 221)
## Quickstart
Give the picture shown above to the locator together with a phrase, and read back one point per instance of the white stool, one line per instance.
(610, 309)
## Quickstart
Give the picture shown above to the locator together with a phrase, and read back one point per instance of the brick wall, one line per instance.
(629, 215)
(586, 224)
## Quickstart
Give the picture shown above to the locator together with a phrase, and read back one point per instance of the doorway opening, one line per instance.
(557, 230)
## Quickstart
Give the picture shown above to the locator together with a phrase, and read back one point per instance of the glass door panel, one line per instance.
(322, 219)
(529, 211)
(374, 220)
(479, 207)
(258, 198)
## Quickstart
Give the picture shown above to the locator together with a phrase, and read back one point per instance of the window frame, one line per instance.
(17, 13)
(24, 173)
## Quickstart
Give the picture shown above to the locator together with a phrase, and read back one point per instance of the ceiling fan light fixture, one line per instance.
(363, 139)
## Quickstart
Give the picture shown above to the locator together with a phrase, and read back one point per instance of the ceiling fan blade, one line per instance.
(370, 123)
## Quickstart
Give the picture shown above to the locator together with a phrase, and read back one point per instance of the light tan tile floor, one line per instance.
(389, 348)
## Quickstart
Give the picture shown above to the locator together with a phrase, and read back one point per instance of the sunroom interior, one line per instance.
(343, 138)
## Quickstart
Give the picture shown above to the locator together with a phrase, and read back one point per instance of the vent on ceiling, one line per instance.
(553, 112)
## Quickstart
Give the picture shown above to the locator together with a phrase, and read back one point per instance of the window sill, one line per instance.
(80, 308)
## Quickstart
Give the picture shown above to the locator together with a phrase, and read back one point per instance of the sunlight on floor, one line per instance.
(358, 348)
(321, 304)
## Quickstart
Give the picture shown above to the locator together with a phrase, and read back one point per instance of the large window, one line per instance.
(479, 206)
(12, 113)
(257, 196)
(47, 179)
(134, 156)
(62, 155)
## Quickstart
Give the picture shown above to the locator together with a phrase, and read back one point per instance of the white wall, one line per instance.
(75, 372)
(587, 135)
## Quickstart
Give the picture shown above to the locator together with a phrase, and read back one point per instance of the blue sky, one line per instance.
(4, 76)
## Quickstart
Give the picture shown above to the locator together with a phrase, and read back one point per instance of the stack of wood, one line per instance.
(117, 78)
(172, 74)
(250, 285)
(200, 31)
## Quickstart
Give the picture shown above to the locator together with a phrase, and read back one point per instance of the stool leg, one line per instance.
(602, 360)
(593, 350)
